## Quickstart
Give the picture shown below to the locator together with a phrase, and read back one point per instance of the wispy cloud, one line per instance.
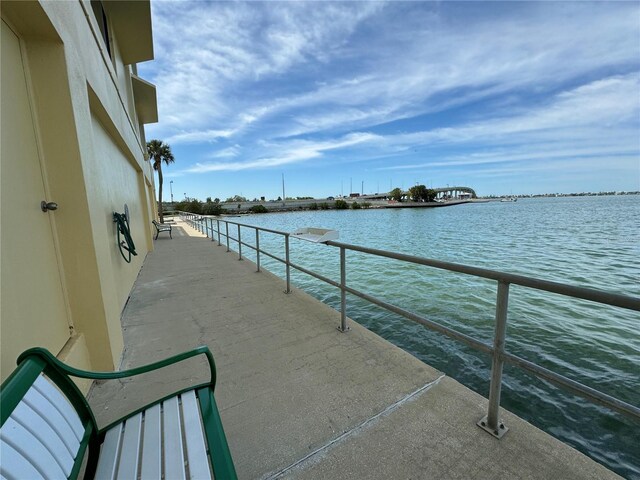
(289, 152)
(385, 84)
(199, 136)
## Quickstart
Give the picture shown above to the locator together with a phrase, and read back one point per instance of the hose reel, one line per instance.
(125, 242)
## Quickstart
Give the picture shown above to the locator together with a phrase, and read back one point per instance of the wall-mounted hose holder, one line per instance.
(125, 242)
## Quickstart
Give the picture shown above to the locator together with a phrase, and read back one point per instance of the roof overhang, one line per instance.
(144, 94)
(131, 22)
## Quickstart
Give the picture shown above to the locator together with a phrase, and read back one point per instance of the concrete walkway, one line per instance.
(299, 399)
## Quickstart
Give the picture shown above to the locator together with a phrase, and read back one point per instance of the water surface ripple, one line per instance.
(583, 241)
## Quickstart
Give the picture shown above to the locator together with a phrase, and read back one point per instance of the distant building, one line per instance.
(73, 110)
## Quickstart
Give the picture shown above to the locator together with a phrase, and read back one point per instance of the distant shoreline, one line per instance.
(230, 208)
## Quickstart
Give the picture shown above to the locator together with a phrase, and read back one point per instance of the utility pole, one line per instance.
(171, 188)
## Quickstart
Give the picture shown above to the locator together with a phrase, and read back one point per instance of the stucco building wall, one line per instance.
(86, 107)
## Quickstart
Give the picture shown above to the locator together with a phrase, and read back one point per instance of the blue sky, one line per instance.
(503, 97)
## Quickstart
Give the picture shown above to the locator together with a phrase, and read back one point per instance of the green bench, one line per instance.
(48, 427)
(161, 227)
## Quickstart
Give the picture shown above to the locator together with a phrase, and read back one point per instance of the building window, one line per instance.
(101, 17)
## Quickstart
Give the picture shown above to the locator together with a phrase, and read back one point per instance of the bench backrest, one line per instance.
(44, 433)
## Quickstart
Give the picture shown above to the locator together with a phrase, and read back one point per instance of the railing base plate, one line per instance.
(343, 330)
(498, 433)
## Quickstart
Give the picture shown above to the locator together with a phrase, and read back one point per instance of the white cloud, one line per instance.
(199, 136)
(229, 152)
(580, 116)
(287, 153)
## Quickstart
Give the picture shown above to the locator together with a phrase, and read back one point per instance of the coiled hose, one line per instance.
(124, 232)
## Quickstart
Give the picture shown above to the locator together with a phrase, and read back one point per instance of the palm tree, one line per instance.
(159, 152)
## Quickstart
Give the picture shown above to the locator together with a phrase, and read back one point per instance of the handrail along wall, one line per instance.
(491, 422)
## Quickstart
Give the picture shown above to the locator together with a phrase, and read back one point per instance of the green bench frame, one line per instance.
(36, 361)
(161, 227)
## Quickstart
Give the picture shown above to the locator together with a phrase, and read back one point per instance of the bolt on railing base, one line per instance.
(497, 432)
(343, 330)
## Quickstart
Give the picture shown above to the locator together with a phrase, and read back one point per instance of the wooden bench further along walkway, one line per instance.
(161, 227)
(47, 427)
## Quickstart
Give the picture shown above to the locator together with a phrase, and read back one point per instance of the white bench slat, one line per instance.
(14, 466)
(109, 454)
(54, 418)
(128, 467)
(152, 445)
(62, 404)
(196, 452)
(173, 452)
(39, 428)
(30, 448)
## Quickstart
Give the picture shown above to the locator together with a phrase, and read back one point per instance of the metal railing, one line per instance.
(491, 422)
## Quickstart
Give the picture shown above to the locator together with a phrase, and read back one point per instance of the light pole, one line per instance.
(171, 188)
(283, 194)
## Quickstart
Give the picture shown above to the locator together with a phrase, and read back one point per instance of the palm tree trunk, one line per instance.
(160, 213)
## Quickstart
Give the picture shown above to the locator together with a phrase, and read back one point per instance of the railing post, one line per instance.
(288, 268)
(491, 423)
(213, 238)
(239, 244)
(343, 293)
(218, 221)
(258, 249)
(227, 229)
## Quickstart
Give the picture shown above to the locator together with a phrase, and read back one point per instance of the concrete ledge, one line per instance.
(433, 436)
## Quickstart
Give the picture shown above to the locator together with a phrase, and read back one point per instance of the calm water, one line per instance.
(584, 241)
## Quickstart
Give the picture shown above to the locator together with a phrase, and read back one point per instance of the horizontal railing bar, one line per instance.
(262, 229)
(599, 296)
(272, 256)
(314, 274)
(576, 387)
(584, 293)
(248, 245)
(231, 238)
(472, 342)
(263, 252)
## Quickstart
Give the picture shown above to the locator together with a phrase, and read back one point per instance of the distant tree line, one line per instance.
(198, 207)
(417, 193)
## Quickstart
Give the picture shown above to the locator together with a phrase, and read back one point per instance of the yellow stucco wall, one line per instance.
(91, 151)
